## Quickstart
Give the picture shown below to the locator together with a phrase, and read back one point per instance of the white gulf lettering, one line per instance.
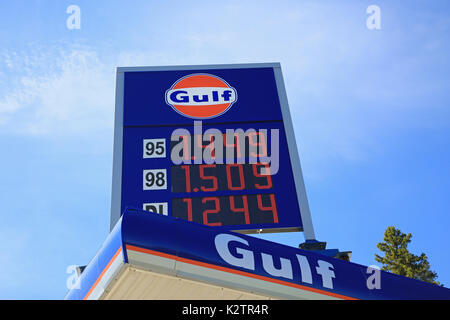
(286, 267)
(246, 259)
(325, 269)
(201, 96)
(305, 269)
(242, 256)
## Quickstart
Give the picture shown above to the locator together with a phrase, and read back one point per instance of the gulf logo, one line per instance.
(201, 96)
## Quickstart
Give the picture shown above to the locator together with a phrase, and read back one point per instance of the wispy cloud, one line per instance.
(65, 91)
(344, 82)
(351, 92)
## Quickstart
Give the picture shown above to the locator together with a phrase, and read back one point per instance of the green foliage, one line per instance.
(397, 259)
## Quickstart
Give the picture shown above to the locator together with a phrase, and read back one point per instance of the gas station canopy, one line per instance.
(152, 256)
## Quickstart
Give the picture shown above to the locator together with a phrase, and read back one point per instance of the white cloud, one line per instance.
(66, 92)
(346, 85)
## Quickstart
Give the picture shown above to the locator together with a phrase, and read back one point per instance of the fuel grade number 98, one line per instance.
(155, 179)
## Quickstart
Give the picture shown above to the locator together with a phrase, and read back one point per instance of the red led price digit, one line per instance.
(198, 141)
(188, 201)
(186, 147)
(259, 144)
(187, 172)
(272, 208)
(216, 210)
(244, 209)
(211, 147)
(212, 178)
(268, 177)
(235, 143)
(241, 176)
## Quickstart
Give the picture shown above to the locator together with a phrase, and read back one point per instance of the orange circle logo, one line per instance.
(201, 96)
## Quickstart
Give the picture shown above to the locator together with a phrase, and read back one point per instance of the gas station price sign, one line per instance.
(209, 144)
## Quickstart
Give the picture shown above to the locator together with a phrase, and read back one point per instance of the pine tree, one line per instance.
(397, 258)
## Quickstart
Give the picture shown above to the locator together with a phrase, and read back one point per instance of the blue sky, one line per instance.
(371, 112)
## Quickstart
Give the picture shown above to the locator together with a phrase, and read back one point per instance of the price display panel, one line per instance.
(209, 145)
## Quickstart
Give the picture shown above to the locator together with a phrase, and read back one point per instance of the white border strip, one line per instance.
(212, 276)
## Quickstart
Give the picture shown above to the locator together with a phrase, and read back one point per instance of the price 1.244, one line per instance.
(227, 210)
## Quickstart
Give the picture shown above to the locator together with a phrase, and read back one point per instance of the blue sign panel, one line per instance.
(209, 144)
